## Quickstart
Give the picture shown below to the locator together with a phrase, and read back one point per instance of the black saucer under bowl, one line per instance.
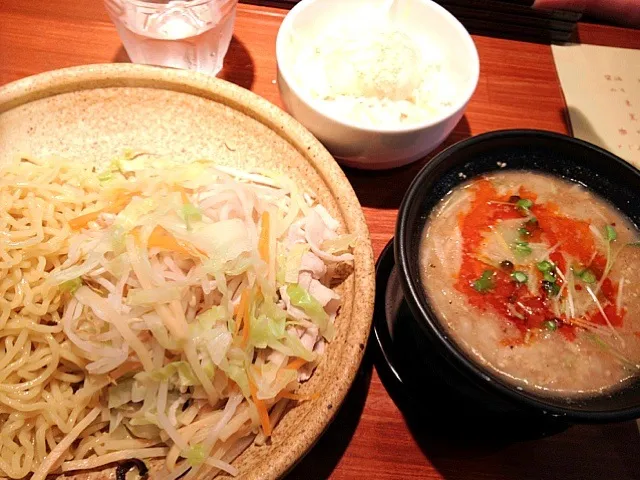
(544, 152)
(422, 391)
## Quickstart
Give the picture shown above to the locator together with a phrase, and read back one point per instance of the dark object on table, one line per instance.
(513, 19)
(602, 172)
(498, 18)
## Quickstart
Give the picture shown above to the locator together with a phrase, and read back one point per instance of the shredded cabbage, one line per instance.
(71, 285)
(207, 320)
(302, 299)
(292, 267)
(179, 373)
(221, 241)
(190, 214)
(340, 244)
(238, 374)
(120, 394)
(191, 290)
(293, 347)
(140, 296)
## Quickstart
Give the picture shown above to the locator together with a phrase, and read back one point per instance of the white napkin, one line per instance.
(602, 90)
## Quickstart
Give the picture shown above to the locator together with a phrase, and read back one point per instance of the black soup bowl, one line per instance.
(600, 171)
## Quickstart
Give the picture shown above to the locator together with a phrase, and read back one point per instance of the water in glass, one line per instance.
(191, 34)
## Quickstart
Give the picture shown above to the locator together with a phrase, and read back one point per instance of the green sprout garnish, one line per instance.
(522, 248)
(524, 204)
(545, 266)
(598, 341)
(550, 325)
(587, 276)
(611, 235)
(485, 282)
(520, 277)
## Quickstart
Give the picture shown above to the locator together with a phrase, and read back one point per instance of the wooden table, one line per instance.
(371, 438)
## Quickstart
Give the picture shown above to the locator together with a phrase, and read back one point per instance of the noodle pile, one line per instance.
(146, 315)
(38, 368)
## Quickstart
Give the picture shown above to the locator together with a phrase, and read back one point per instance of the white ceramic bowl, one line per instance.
(369, 148)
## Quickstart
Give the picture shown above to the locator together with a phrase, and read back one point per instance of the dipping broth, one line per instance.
(536, 278)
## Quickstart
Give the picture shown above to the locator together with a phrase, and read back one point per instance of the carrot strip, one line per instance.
(262, 410)
(247, 324)
(238, 322)
(240, 310)
(82, 221)
(126, 367)
(296, 364)
(263, 243)
(114, 207)
(162, 239)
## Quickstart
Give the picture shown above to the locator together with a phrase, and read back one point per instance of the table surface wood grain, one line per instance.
(372, 437)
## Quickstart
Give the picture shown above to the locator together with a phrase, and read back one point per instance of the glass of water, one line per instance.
(189, 34)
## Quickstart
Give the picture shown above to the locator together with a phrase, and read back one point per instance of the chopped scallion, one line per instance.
(550, 325)
(587, 276)
(524, 203)
(520, 277)
(545, 266)
(549, 277)
(611, 233)
(485, 282)
(524, 232)
(522, 248)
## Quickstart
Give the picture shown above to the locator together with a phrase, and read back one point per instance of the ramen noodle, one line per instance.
(153, 315)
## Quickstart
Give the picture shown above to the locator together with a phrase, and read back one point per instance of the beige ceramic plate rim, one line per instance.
(126, 75)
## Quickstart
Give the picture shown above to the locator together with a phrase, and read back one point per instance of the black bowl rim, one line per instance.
(411, 286)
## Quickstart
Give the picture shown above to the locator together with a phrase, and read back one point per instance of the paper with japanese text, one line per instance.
(601, 87)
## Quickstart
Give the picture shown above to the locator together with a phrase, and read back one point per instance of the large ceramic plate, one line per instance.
(92, 113)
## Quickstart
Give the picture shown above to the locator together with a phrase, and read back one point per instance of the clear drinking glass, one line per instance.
(189, 34)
